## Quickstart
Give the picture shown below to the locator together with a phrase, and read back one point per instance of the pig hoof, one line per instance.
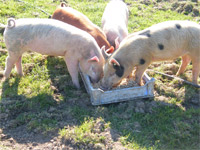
(21, 74)
(1, 74)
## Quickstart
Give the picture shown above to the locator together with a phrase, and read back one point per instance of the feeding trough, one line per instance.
(99, 97)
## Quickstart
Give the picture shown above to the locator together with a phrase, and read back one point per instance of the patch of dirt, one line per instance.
(29, 140)
(186, 7)
(12, 138)
(28, 67)
(110, 140)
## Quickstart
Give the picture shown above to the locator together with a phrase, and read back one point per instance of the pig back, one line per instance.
(115, 12)
(115, 21)
(73, 17)
(79, 20)
(46, 36)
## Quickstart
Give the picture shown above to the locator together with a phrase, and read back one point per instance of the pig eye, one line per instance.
(115, 66)
(120, 72)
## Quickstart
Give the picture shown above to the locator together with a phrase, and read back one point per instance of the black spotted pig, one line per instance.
(114, 22)
(55, 38)
(161, 42)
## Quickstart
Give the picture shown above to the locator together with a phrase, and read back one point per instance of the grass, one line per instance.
(44, 100)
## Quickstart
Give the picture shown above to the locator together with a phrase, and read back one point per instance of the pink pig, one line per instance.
(55, 38)
(114, 22)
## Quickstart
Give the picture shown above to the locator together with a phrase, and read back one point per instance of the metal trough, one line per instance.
(99, 97)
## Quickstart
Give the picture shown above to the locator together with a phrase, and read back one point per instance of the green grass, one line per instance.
(85, 133)
(45, 101)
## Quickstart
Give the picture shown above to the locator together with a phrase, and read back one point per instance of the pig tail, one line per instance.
(11, 23)
(63, 4)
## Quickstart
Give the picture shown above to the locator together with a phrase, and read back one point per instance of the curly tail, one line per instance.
(11, 23)
(63, 4)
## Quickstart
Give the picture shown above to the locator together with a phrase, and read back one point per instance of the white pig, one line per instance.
(161, 42)
(114, 22)
(55, 38)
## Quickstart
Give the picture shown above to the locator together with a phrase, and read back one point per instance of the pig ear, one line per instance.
(117, 43)
(110, 50)
(114, 62)
(93, 59)
(103, 48)
(105, 54)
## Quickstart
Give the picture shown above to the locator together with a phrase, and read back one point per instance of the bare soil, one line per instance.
(20, 137)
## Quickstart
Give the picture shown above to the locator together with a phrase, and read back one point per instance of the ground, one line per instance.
(42, 110)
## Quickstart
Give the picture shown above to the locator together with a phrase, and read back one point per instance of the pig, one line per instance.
(79, 20)
(55, 38)
(115, 21)
(163, 41)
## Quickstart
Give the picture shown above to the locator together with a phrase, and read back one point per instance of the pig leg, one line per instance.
(19, 66)
(72, 66)
(139, 73)
(185, 61)
(10, 61)
(195, 70)
(117, 43)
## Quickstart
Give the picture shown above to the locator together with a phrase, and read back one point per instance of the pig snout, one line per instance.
(104, 85)
(95, 77)
(105, 88)
(94, 80)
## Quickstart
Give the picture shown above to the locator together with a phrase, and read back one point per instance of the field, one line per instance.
(43, 110)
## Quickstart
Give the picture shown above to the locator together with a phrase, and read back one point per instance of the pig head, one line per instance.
(92, 64)
(79, 20)
(114, 22)
(161, 42)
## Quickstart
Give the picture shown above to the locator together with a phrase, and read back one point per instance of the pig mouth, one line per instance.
(106, 88)
(103, 86)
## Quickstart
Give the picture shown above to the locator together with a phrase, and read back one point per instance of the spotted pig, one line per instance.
(161, 42)
(79, 20)
(114, 22)
(55, 38)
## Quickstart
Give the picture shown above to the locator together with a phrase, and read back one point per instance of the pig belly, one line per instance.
(47, 46)
(169, 55)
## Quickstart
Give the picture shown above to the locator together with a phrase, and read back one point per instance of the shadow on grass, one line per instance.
(167, 126)
(39, 118)
(192, 97)
(22, 114)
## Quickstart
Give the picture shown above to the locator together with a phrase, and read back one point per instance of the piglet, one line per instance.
(114, 22)
(79, 20)
(164, 41)
(55, 38)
